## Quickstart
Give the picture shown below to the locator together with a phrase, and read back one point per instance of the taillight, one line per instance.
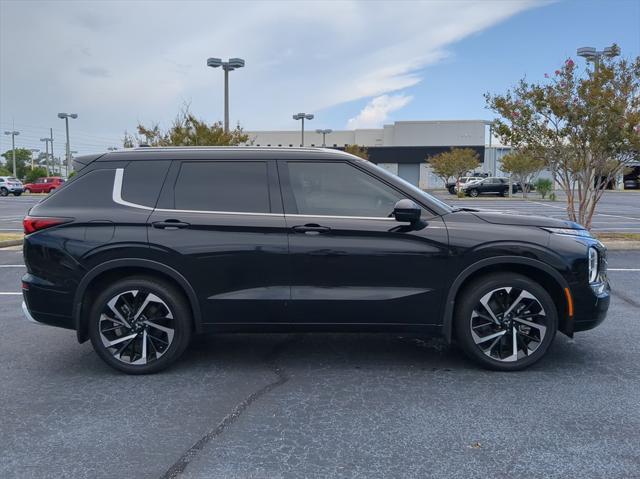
(32, 224)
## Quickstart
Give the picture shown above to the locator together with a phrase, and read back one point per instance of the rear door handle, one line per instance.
(311, 229)
(170, 224)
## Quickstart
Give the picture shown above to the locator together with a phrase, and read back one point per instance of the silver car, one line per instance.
(9, 184)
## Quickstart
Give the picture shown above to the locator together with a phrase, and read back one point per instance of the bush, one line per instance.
(33, 174)
(544, 186)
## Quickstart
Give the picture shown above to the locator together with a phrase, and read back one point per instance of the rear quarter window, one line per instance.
(92, 190)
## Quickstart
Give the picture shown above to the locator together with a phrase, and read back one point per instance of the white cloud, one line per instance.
(377, 110)
(118, 66)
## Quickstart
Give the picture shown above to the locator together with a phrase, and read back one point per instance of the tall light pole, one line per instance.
(65, 117)
(46, 155)
(593, 55)
(33, 151)
(13, 134)
(232, 64)
(324, 133)
(303, 117)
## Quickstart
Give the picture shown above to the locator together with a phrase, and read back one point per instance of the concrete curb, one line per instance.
(622, 245)
(10, 243)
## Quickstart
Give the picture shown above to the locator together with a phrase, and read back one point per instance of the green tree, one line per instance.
(455, 163)
(522, 167)
(186, 130)
(544, 186)
(34, 174)
(23, 161)
(585, 126)
(357, 150)
(5, 172)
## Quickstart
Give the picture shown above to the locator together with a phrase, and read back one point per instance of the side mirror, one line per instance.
(407, 211)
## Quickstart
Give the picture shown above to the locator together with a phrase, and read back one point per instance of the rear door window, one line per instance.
(143, 180)
(225, 186)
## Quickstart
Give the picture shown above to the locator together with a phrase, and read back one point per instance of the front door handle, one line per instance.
(169, 224)
(311, 229)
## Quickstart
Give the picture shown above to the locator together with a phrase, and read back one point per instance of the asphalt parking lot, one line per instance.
(325, 405)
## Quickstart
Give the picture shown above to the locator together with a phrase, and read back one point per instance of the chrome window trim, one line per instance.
(117, 192)
(342, 217)
(117, 198)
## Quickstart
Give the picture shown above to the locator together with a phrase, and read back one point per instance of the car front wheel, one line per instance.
(473, 192)
(4, 192)
(140, 325)
(505, 321)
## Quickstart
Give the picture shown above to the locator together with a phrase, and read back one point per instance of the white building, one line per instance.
(402, 147)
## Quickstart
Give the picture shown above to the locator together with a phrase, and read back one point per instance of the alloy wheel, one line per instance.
(508, 324)
(136, 327)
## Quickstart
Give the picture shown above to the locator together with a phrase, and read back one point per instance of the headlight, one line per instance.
(593, 265)
(568, 232)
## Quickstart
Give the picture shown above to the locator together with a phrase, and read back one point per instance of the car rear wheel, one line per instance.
(505, 321)
(452, 190)
(473, 192)
(140, 325)
(51, 190)
(27, 190)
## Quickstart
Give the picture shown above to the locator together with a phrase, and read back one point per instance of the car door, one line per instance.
(38, 185)
(221, 224)
(351, 262)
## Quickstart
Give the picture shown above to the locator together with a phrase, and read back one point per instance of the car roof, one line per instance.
(223, 152)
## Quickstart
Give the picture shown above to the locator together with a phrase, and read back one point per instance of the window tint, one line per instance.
(339, 189)
(93, 190)
(143, 180)
(223, 186)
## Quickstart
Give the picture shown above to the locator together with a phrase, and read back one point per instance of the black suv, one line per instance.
(144, 247)
(491, 185)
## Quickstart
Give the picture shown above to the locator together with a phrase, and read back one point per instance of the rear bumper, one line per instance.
(27, 313)
(46, 305)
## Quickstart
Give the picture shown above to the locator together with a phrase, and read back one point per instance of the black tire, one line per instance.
(4, 192)
(468, 304)
(159, 358)
(474, 193)
(452, 190)
(17, 193)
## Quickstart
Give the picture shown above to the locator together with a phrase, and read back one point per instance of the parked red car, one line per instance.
(44, 185)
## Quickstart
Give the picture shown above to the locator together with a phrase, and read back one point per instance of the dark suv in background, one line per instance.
(144, 247)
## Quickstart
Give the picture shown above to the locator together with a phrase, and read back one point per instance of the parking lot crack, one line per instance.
(270, 358)
(626, 298)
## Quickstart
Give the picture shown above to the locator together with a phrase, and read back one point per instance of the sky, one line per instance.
(353, 64)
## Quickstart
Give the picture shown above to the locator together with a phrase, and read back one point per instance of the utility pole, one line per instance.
(13, 134)
(53, 158)
(65, 117)
(46, 155)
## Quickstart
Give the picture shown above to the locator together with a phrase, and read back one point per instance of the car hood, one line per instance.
(525, 220)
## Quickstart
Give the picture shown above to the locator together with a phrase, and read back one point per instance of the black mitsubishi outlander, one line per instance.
(145, 247)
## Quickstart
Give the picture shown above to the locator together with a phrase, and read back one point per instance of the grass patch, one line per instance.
(10, 236)
(617, 236)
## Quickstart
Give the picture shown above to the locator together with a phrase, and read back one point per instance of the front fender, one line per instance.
(447, 325)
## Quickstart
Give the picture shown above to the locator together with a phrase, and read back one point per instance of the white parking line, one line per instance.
(3, 293)
(623, 269)
(12, 266)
